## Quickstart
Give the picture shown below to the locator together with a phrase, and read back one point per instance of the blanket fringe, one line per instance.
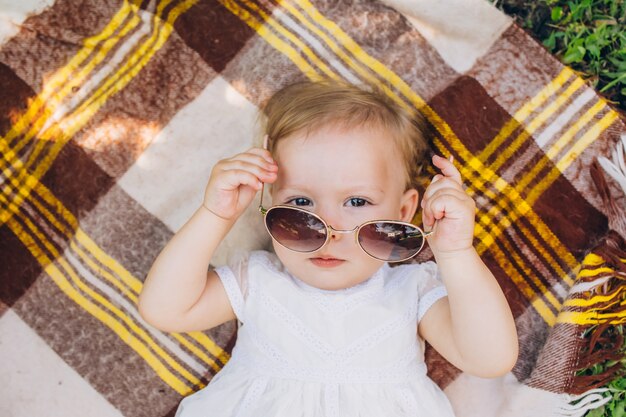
(604, 308)
(579, 405)
(601, 299)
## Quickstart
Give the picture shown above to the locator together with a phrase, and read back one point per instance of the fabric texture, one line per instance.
(112, 114)
(303, 351)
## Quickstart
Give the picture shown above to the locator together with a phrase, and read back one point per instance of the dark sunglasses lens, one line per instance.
(295, 229)
(391, 241)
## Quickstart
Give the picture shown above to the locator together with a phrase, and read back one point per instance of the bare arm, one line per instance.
(473, 327)
(179, 293)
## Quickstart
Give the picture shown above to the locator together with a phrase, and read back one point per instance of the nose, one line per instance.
(335, 223)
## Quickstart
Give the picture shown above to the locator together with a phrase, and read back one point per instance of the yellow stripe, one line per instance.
(548, 179)
(102, 257)
(33, 182)
(295, 40)
(101, 300)
(51, 269)
(84, 113)
(525, 111)
(581, 302)
(558, 146)
(51, 104)
(475, 171)
(590, 318)
(123, 333)
(136, 62)
(537, 122)
(571, 155)
(586, 273)
(199, 353)
(102, 272)
(126, 277)
(593, 260)
(272, 39)
(331, 44)
(211, 346)
(591, 135)
(60, 78)
(61, 132)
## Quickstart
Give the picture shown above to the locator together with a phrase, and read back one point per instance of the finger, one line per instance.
(450, 205)
(234, 178)
(256, 156)
(440, 184)
(447, 168)
(261, 172)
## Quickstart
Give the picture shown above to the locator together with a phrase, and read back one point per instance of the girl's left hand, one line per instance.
(449, 210)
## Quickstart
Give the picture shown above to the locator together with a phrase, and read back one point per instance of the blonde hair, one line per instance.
(311, 105)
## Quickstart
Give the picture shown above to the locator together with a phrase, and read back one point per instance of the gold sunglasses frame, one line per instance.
(331, 230)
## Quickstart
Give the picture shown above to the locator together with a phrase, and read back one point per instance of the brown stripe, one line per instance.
(572, 219)
(470, 112)
(440, 370)
(213, 32)
(515, 69)
(76, 181)
(14, 97)
(18, 271)
(516, 299)
(532, 332)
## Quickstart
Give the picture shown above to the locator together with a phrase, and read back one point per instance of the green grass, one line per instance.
(587, 35)
(616, 407)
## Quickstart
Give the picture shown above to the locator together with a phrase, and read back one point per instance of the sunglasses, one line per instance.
(300, 230)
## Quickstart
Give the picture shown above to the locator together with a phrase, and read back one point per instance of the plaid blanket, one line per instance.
(113, 113)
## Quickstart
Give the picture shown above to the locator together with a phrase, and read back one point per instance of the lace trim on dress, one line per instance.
(329, 303)
(429, 299)
(331, 399)
(405, 368)
(295, 325)
(365, 342)
(380, 333)
(232, 290)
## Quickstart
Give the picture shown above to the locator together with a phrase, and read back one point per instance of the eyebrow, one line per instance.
(304, 189)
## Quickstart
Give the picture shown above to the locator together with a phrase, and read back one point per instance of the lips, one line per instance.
(324, 262)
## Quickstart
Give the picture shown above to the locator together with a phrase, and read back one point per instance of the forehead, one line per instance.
(348, 155)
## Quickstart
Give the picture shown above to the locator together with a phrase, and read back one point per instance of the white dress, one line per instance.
(306, 352)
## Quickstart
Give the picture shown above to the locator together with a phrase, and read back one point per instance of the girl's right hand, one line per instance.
(235, 181)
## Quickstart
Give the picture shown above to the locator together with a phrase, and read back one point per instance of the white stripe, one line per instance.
(130, 310)
(108, 69)
(111, 293)
(564, 117)
(302, 34)
(586, 286)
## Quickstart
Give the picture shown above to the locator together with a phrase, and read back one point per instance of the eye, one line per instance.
(356, 202)
(300, 201)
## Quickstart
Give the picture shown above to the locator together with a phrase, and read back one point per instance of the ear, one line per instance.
(409, 204)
